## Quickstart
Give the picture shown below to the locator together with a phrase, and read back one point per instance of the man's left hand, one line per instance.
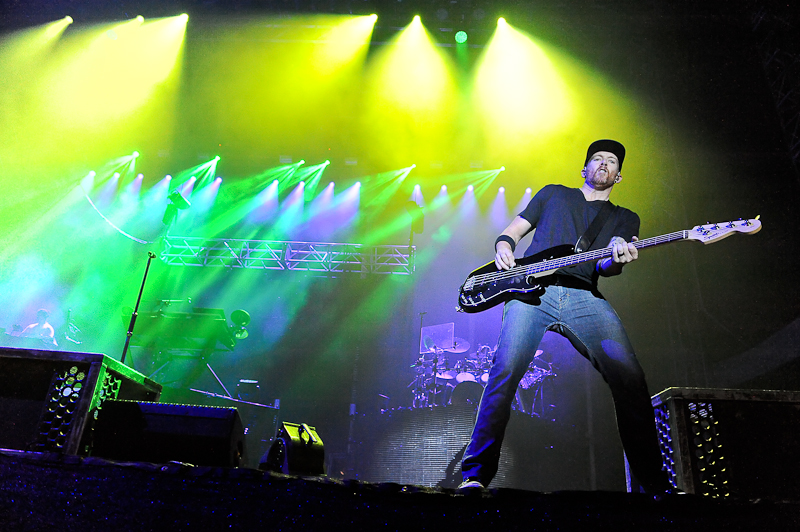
(623, 252)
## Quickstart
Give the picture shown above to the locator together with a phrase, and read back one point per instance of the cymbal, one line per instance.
(459, 346)
(447, 374)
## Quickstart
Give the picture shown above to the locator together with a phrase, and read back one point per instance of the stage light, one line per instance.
(140, 176)
(135, 154)
(184, 16)
(528, 190)
(461, 37)
(176, 202)
(470, 188)
(216, 158)
(240, 319)
(358, 184)
(54, 29)
(140, 61)
(116, 175)
(444, 188)
(92, 173)
(139, 19)
(168, 177)
(501, 21)
(177, 199)
(518, 92)
(502, 190)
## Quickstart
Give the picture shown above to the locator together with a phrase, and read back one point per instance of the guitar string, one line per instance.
(570, 260)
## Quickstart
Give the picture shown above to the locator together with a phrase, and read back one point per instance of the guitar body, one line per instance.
(483, 289)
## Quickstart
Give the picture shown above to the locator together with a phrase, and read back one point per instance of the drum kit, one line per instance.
(438, 381)
(444, 376)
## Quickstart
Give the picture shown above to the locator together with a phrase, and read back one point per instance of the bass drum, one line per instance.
(466, 393)
(465, 372)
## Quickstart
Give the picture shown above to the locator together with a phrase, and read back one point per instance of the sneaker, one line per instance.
(470, 483)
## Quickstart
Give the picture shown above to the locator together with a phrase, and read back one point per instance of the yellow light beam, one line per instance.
(518, 92)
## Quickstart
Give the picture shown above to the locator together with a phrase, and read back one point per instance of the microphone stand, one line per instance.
(150, 257)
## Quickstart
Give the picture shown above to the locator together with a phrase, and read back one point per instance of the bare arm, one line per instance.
(504, 256)
(622, 253)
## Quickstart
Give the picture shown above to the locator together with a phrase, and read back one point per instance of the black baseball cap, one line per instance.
(606, 145)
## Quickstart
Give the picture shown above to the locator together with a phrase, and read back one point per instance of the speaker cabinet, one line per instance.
(741, 443)
(48, 399)
(163, 432)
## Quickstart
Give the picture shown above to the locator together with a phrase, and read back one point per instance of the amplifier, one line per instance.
(739, 443)
(48, 399)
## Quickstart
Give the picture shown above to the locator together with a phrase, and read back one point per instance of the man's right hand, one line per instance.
(504, 257)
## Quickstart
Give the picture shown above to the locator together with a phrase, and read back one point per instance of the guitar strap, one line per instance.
(586, 240)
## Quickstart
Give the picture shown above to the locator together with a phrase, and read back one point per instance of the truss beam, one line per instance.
(324, 257)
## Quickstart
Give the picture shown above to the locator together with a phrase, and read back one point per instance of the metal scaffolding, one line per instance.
(281, 255)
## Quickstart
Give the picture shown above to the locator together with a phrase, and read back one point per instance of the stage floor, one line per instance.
(40, 491)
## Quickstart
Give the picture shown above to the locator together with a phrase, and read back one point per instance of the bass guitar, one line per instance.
(487, 286)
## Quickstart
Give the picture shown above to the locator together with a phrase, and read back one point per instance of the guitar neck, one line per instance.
(597, 254)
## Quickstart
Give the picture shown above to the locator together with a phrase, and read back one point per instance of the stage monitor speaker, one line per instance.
(297, 450)
(162, 432)
(738, 443)
(48, 399)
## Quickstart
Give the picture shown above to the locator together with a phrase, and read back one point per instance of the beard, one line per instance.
(601, 180)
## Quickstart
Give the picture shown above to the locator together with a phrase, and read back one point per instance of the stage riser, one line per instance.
(424, 446)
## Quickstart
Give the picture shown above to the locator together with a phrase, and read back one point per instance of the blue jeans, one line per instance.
(593, 327)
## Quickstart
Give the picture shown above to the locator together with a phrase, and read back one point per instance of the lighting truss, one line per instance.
(323, 257)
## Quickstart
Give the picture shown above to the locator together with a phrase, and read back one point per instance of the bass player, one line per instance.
(572, 306)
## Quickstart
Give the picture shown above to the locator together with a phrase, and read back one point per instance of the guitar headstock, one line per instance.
(709, 233)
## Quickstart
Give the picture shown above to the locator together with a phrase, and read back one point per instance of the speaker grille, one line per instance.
(67, 389)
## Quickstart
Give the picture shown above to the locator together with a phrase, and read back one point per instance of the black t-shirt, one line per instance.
(561, 215)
